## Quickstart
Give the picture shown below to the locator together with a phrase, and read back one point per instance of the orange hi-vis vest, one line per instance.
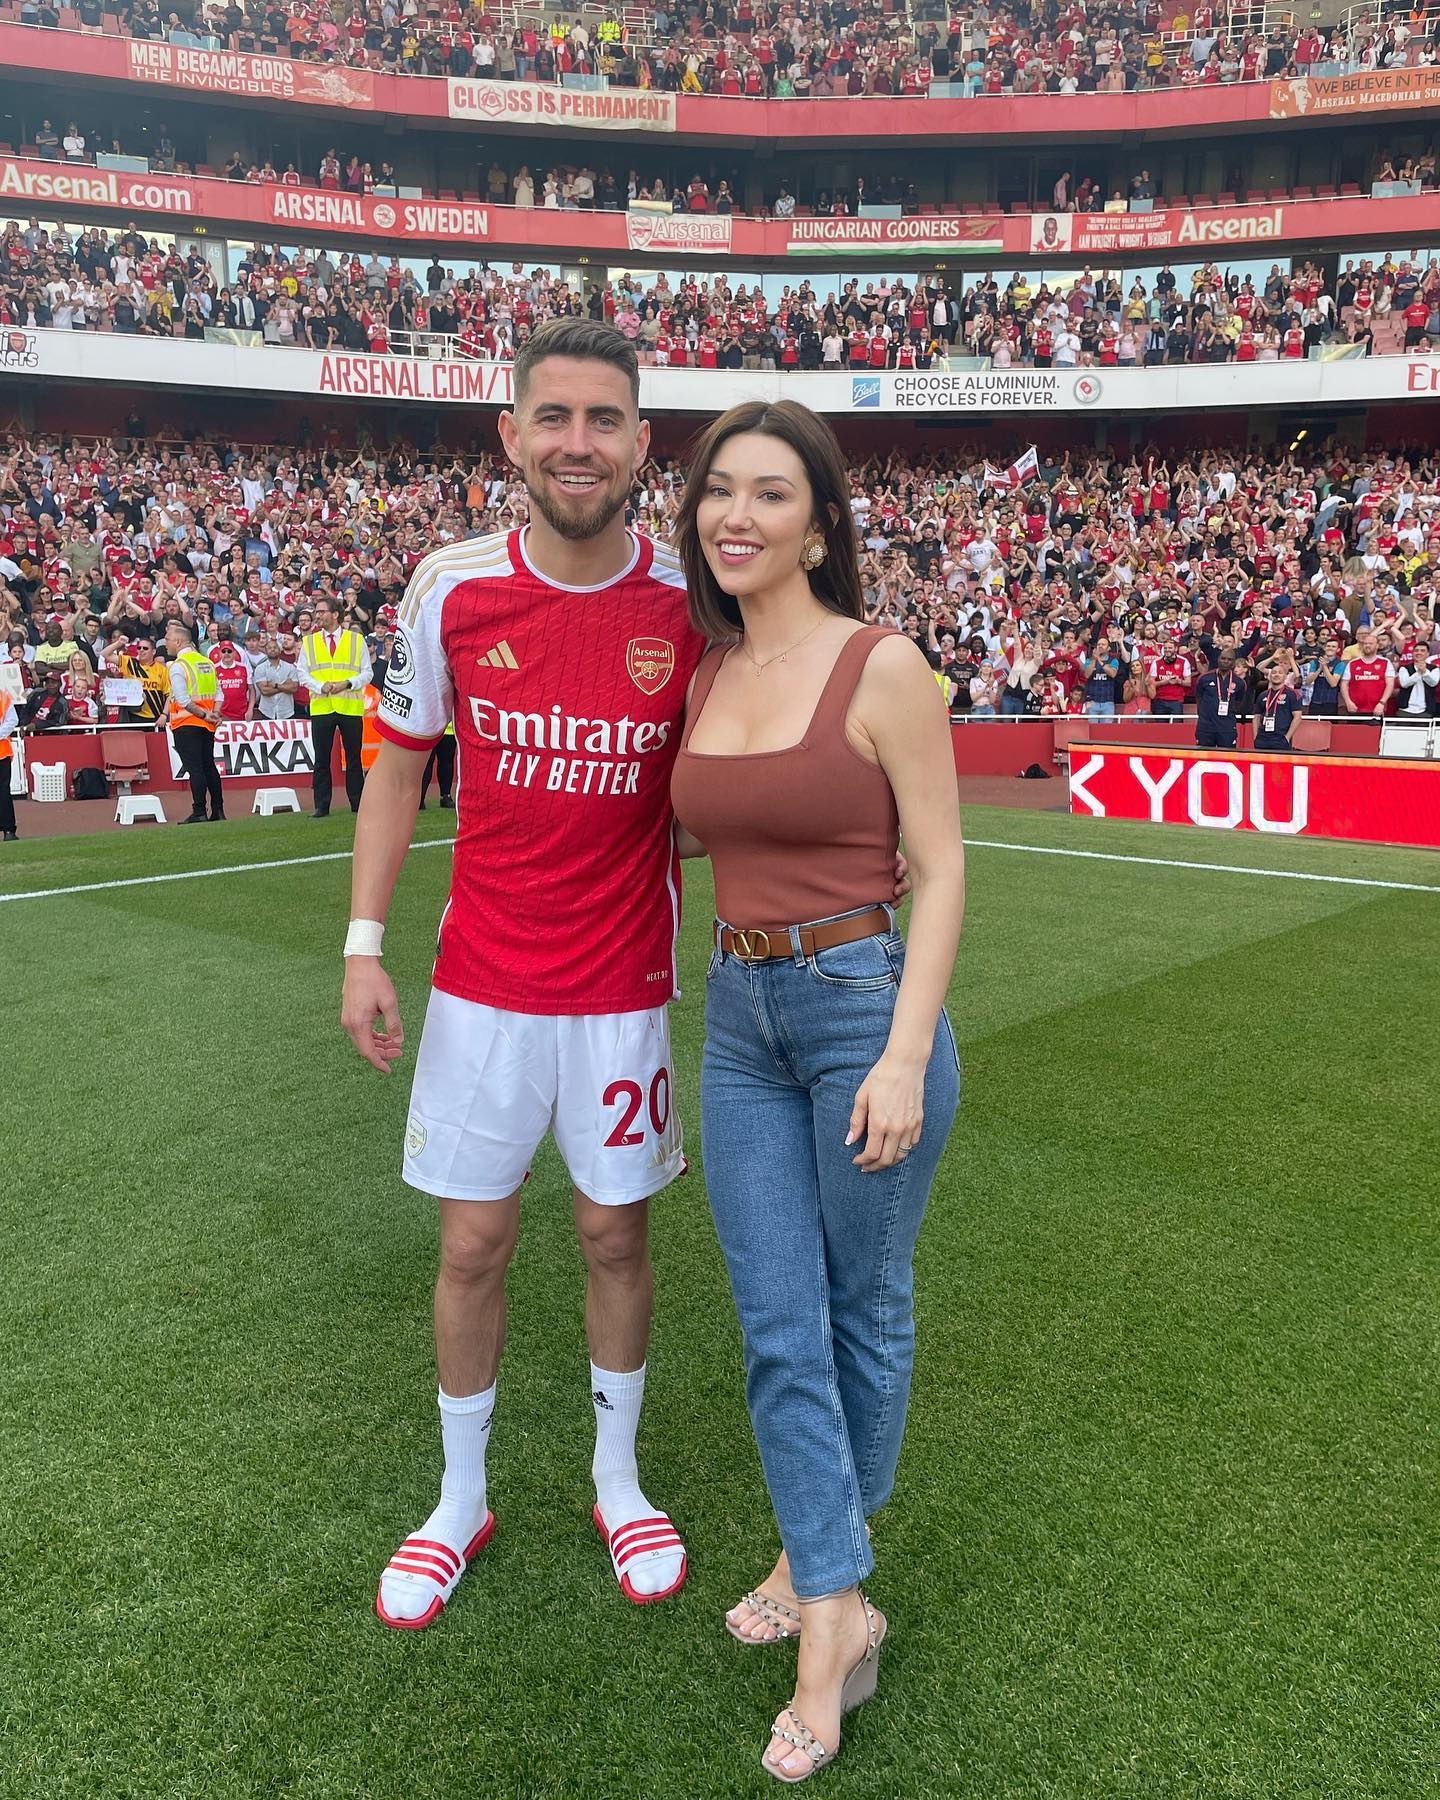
(6, 744)
(203, 685)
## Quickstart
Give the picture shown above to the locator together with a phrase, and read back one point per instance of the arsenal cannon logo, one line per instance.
(650, 662)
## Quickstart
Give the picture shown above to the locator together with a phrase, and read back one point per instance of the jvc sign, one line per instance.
(1375, 800)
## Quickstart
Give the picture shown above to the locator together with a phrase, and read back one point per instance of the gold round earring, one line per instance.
(814, 553)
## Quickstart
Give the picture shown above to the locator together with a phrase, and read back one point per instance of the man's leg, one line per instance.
(188, 749)
(445, 770)
(211, 771)
(352, 740)
(322, 742)
(617, 1131)
(7, 799)
(616, 1247)
(477, 1240)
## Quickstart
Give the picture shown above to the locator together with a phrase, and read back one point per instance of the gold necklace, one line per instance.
(759, 667)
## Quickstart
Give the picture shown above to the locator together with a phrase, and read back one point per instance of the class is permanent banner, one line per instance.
(1373, 800)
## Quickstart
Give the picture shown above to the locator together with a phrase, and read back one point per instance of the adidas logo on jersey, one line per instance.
(501, 657)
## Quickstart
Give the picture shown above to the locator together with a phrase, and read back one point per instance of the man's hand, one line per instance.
(369, 994)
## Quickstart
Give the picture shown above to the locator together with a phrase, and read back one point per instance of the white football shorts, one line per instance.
(489, 1084)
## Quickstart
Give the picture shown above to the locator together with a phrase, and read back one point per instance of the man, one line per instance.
(1278, 710)
(194, 716)
(1367, 682)
(276, 679)
(1216, 704)
(567, 744)
(335, 668)
(1420, 677)
(232, 673)
(9, 725)
(45, 707)
(1172, 681)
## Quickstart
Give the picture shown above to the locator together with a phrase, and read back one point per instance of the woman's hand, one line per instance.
(888, 1112)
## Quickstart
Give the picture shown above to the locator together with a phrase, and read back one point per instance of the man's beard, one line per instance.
(577, 527)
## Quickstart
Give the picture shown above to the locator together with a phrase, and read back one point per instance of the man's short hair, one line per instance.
(586, 340)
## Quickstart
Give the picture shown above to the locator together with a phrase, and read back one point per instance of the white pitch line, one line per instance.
(283, 862)
(1171, 862)
(1152, 862)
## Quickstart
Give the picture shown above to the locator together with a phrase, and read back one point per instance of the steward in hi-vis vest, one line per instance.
(335, 668)
(194, 714)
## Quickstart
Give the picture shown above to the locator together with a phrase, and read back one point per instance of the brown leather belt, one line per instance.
(763, 946)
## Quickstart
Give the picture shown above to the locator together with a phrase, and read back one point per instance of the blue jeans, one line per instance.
(1012, 703)
(821, 1256)
(1100, 709)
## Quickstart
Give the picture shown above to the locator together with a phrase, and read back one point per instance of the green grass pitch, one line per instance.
(1167, 1514)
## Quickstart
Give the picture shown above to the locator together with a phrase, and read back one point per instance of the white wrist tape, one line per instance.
(364, 937)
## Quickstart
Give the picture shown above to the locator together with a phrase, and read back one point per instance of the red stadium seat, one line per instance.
(1302, 193)
(1350, 187)
(1325, 190)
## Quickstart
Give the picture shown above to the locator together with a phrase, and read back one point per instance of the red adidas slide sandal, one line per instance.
(642, 1540)
(431, 1564)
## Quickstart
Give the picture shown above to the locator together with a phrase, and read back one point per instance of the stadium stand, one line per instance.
(875, 48)
(1017, 596)
(134, 285)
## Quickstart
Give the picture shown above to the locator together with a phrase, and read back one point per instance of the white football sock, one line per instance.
(455, 1522)
(617, 1397)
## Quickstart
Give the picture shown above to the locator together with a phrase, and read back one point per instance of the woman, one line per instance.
(824, 1125)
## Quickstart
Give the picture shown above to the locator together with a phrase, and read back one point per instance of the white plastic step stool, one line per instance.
(273, 800)
(133, 807)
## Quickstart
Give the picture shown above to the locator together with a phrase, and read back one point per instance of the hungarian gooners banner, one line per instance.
(1375, 800)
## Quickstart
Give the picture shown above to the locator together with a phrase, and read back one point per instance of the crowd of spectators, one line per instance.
(780, 48)
(132, 284)
(1103, 584)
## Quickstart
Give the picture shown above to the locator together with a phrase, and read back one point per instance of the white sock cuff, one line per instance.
(617, 1381)
(460, 1405)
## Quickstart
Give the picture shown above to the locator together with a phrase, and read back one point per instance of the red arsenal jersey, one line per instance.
(565, 891)
(1367, 679)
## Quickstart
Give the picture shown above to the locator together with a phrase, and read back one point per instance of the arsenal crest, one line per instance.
(650, 663)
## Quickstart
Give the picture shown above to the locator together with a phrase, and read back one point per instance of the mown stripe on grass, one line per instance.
(1149, 862)
(249, 868)
(1174, 862)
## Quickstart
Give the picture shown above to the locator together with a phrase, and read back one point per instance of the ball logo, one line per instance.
(865, 390)
(384, 216)
(1087, 390)
(650, 662)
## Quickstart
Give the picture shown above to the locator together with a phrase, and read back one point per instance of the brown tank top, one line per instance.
(817, 836)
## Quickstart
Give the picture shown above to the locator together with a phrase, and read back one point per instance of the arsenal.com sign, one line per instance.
(580, 109)
(1372, 800)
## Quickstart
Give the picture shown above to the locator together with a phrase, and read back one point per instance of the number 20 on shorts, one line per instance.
(629, 1097)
